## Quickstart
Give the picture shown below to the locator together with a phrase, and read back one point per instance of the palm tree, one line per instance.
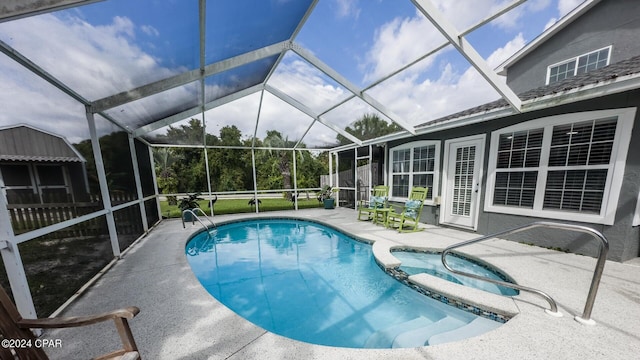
(167, 181)
(275, 140)
(369, 126)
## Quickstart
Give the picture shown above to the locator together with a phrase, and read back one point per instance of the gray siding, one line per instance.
(624, 239)
(611, 22)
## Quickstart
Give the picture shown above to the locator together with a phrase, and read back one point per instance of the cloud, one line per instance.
(94, 61)
(417, 101)
(27, 99)
(403, 40)
(99, 61)
(149, 30)
(500, 55)
(398, 43)
(463, 16)
(296, 78)
(514, 19)
(347, 9)
(408, 95)
(565, 6)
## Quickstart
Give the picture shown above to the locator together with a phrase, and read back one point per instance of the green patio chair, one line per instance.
(409, 218)
(377, 200)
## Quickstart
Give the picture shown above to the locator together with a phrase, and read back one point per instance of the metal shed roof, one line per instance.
(25, 143)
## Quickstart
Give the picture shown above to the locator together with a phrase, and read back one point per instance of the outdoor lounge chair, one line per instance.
(18, 330)
(409, 218)
(377, 200)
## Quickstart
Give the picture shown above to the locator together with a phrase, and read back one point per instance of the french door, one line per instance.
(463, 174)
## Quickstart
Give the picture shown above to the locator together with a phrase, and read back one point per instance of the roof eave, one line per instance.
(586, 92)
(590, 91)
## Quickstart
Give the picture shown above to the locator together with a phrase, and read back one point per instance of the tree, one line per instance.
(186, 173)
(230, 169)
(274, 139)
(310, 168)
(369, 126)
(192, 133)
(164, 160)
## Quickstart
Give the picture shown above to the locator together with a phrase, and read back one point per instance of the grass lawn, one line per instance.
(235, 206)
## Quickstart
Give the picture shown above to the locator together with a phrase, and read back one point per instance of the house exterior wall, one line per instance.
(624, 239)
(611, 22)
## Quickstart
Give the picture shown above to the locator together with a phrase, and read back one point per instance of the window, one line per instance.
(578, 65)
(29, 184)
(414, 164)
(18, 182)
(516, 175)
(566, 167)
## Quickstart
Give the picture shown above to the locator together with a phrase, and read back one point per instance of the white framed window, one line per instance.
(566, 167)
(414, 164)
(578, 65)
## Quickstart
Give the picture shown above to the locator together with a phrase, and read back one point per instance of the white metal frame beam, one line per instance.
(327, 70)
(196, 110)
(38, 71)
(472, 28)
(187, 77)
(13, 261)
(457, 39)
(104, 187)
(298, 105)
(16, 9)
(136, 176)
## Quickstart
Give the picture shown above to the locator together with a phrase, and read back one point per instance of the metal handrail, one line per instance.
(193, 214)
(597, 273)
(205, 216)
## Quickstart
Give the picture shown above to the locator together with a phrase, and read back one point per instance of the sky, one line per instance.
(117, 45)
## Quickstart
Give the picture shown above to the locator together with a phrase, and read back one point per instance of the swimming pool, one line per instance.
(431, 263)
(311, 283)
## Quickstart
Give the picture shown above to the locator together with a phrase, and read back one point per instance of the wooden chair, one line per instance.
(409, 218)
(377, 200)
(14, 327)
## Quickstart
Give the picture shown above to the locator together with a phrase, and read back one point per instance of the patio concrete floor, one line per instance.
(180, 320)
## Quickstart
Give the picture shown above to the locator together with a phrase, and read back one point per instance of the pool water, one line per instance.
(431, 263)
(311, 283)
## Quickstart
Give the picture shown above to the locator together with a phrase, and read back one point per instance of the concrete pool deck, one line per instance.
(180, 320)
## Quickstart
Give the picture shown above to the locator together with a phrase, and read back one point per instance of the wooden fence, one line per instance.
(28, 217)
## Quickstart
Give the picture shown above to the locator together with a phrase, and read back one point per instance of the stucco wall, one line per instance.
(611, 22)
(623, 238)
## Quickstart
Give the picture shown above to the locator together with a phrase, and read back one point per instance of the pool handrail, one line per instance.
(595, 281)
(196, 217)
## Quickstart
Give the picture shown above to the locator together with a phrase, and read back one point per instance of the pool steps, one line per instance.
(422, 331)
(420, 336)
(477, 327)
(384, 338)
